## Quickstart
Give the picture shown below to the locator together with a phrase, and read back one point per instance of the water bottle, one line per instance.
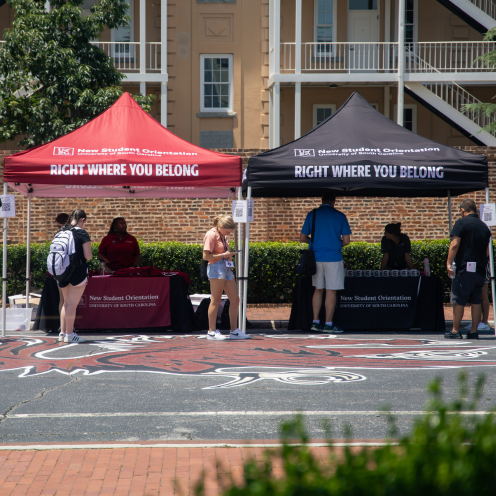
(453, 268)
(102, 268)
(427, 269)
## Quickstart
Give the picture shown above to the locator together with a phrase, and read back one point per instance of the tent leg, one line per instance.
(246, 254)
(239, 263)
(4, 271)
(450, 213)
(491, 260)
(28, 252)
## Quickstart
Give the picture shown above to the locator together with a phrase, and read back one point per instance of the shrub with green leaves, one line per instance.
(448, 452)
(272, 274)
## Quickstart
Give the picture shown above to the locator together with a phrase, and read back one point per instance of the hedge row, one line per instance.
(272, 264)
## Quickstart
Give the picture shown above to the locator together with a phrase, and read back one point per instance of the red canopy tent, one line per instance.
(122, 152)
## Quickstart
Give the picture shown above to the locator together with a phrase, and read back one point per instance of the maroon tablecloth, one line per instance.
(120, 303)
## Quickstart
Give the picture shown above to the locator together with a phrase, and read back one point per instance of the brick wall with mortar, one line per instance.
(276, 219)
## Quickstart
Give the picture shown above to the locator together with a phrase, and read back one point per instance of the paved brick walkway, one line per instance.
(146, 471)
(282, 313)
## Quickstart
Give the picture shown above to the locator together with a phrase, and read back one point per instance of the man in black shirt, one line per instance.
(469, 248)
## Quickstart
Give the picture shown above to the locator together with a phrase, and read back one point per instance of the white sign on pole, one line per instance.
(243, 210)
(7, 206)
(488, 213)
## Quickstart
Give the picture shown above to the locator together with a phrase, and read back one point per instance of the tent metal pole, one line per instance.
(246, 254)
(239, 262)
(4, 271)
(450, 213)
(401, 62)
(28, 252)
(491, 260)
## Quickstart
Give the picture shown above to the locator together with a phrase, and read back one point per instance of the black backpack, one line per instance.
(202, 316)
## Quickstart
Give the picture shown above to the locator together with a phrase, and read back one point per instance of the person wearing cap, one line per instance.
(395, 248)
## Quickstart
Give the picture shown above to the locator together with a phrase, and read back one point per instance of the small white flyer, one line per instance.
(471, 266)
(7, 206)
(488, 213)
(243, 210)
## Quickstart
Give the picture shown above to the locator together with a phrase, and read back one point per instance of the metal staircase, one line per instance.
(479, 14)
(446, 100)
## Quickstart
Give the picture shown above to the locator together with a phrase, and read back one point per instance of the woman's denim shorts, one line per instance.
(218, 270)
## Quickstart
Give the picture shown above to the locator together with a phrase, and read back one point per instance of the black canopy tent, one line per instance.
(359, 152)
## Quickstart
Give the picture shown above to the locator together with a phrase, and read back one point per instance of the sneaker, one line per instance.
(61, 336)
(216, 336)
(473, 335)
(73, 338)
(333, 329)
(452, 335)
(480, 327)
(237, 334)
(316, 327)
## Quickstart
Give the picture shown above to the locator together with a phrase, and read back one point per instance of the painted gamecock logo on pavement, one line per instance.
(290, 359)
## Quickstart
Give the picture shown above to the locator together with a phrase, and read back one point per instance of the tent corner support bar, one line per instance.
(245, 266)
(491, 260)
(28, 252)
(4, 271)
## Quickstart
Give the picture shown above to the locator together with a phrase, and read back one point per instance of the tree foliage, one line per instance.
(488, 109)
(53, 80)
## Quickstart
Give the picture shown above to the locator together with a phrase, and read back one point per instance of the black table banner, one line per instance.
(377, 303)
(426, 306)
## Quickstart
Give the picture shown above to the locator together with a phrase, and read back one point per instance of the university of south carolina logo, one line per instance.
(62, 150)
(310, 360)
(308, 152)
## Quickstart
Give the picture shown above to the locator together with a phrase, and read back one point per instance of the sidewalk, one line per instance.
(144, 471)
(277, 316)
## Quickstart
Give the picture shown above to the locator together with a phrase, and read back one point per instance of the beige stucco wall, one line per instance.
(246, 37)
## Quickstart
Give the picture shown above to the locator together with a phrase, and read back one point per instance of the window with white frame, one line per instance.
(324, 26)
(123, 37)
(411, 15)
(321, 111)
(216, 83)
(409, 116)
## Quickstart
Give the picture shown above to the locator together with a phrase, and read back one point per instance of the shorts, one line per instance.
(75, 285)
(330, 275)
(218, 270)
(467, 288)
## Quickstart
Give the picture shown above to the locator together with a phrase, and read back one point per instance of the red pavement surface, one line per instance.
(146, 471)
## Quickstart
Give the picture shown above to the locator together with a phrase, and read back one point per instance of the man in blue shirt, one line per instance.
(332, 232)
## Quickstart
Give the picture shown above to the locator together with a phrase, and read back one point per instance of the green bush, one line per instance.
(272, 264)
(447, 453)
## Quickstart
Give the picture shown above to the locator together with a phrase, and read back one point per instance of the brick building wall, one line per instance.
(276, 219)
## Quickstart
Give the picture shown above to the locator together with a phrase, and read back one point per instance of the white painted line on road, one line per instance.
(341, 413)
(46, 447)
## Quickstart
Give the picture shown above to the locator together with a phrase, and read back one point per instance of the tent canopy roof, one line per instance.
(359, 152)
(122, 152)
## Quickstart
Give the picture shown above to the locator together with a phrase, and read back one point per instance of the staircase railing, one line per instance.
(487, 6)
(450, 92)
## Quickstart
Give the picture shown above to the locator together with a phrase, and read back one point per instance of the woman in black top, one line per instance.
(396, 249)
(74, 288)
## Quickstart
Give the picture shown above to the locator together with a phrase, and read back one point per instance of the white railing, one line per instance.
(340, 57)
(457, 97)
(487, 6)
(126, 56)
(451, 56)
(425, 57)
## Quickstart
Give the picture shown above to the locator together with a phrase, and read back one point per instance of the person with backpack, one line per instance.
(221, 277)
(67, 262)
(395, 249)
